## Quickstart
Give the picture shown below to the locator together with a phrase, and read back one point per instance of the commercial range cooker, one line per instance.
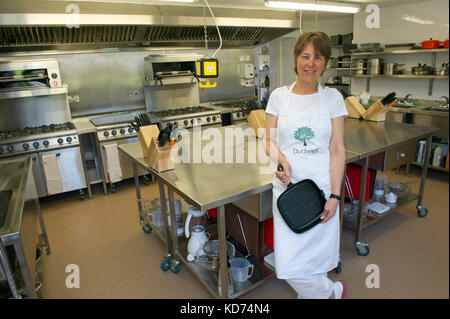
(60, 139)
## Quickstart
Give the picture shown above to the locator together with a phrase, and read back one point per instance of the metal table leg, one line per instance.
(223, 270)
(362, 248)
(175, 263)
(43, 229)
(341, 220)
(99, 152)
(138, 191)
(422, 211)
(86, 176)
(8, 273)
(167, 260)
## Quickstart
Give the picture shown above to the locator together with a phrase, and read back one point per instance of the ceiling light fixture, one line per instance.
(323, 6)
(181, 0)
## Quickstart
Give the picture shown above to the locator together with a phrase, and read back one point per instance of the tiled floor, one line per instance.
(117, 259)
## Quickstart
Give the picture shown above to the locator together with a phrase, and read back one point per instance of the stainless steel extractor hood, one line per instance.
(41, 26)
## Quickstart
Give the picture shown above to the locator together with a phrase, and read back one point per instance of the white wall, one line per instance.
(394, 28)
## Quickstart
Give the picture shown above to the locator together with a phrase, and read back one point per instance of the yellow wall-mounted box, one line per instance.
(208, 68)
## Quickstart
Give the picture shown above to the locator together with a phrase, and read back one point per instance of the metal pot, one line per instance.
(391, 68)
(374, 66)
(358, 67)
(422, 69)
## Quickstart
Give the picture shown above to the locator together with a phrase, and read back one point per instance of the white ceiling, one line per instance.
(252, 4)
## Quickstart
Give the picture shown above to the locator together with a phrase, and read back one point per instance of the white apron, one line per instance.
(303, 135)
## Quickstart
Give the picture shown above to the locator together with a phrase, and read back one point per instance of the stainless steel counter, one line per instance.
(209, 185)
(18, 224)
(367, 138)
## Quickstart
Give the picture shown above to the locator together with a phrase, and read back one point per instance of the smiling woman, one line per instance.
(308, 144)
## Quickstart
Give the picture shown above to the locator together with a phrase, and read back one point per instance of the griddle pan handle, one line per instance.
(280, 168)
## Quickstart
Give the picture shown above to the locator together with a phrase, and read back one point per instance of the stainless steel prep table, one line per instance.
(231, 182)
(19, 217)
(368, 138)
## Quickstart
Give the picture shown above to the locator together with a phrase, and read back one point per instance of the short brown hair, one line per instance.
(320, 41)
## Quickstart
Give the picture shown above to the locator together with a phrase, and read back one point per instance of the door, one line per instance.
(70, 168)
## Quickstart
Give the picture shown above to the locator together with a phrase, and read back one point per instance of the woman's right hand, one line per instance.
(285, 175)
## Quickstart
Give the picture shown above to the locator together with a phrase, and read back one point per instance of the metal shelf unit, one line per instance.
(431, 78)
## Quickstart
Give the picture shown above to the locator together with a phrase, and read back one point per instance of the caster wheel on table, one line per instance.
(112, 188)
(175, 268)
(81, 194)
(422, 211)
(165, 264)
(146, 179)
(147, 229)
(339, 268)
(363, 251)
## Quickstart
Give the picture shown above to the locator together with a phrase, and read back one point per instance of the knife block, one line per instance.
(159, 158)
(354, 108)
(376, 112)
(257, 120)
(145, 136)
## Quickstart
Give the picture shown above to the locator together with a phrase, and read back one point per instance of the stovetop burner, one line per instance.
(180, 111)
(43, 129)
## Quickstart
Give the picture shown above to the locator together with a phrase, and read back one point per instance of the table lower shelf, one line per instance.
(210, 279)
(372, 218)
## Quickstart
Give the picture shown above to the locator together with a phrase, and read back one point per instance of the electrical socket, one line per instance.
(133, 92)
(76, 98)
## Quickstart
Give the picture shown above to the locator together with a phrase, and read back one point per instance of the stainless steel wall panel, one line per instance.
(34, 111)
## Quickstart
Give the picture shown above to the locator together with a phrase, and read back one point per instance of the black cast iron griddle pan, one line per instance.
(301, 205)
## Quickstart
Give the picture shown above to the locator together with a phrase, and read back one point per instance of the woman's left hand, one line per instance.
(329, 210)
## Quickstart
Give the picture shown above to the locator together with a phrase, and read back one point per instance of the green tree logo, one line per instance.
(304, 134)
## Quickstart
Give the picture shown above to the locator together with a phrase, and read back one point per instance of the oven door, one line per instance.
(125, 164)
(38, 173)
(70, 167)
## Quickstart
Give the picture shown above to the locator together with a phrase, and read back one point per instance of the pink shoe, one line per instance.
(340, 289)
(344, 289)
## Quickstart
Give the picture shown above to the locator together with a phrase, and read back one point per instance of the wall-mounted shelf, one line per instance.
(431, 78)
(400, 76)
(400, 52)
(340, 69)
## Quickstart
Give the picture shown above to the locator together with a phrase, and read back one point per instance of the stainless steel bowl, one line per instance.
(209, 257)
(399, 189)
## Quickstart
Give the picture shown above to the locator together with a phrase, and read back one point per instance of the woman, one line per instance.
(305, 134)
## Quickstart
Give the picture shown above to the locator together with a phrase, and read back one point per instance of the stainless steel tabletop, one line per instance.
(209, 185)
(368, 138)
